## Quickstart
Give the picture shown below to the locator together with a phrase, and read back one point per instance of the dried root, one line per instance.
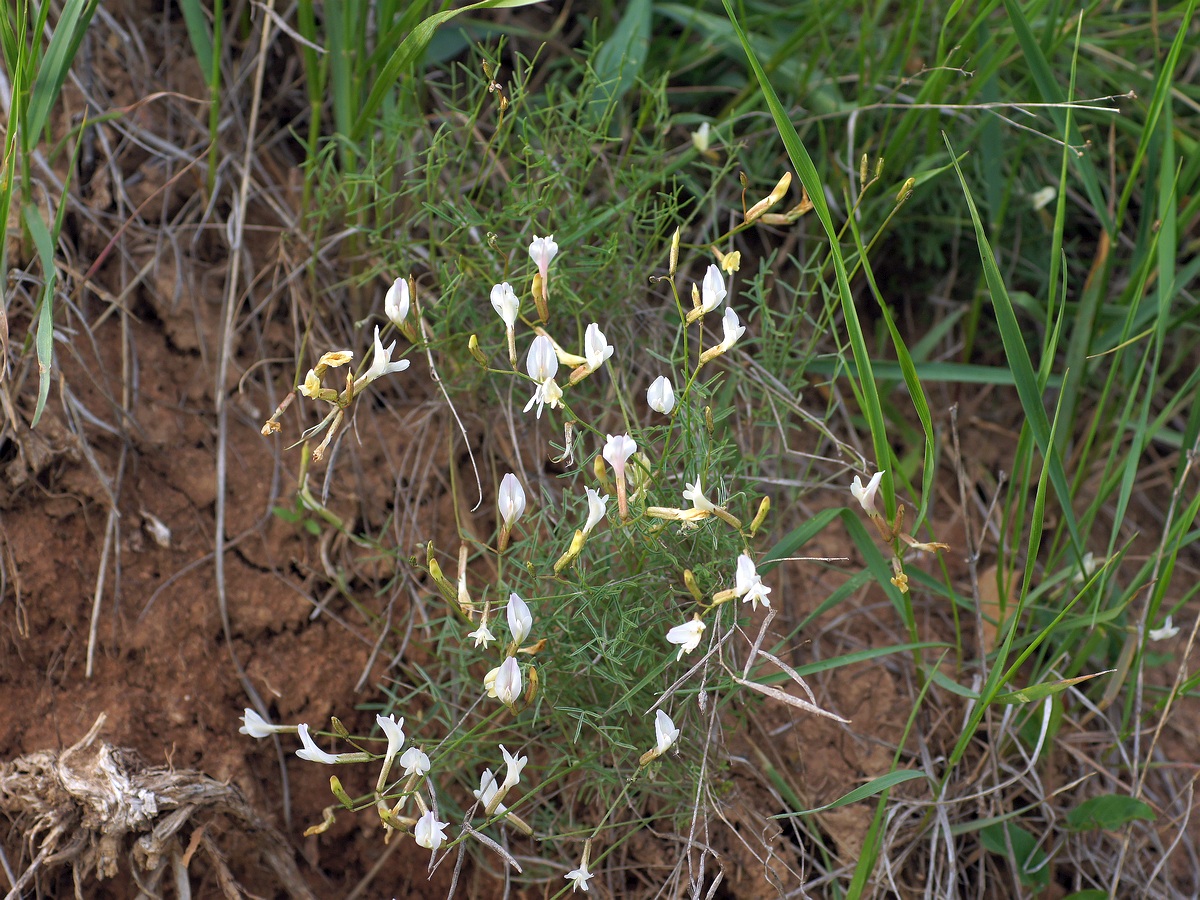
(92, 804)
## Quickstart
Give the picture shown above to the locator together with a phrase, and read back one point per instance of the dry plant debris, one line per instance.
(93, 805)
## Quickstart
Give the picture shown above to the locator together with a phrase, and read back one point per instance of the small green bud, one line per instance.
(335, 785)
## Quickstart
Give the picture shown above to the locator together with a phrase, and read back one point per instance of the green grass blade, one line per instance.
(1158, 103)
(45, 323)
(54, 66)
(1023, 372)
(807, 172)
(911, 381)
(409, 52)
(1048, 87)
(198, 33)
(619, 61)
(870, 789)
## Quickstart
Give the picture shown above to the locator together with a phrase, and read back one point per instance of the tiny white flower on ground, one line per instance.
(482, 635)
(415, 761)
(381, 363)
(515, 765)
(665, 732)
(687, 636)
(596, 349)
(749, 585)
(510, 499)
(520, 619)
(700, 140)
(257, 727)
(661, 395)
(396, 302)
(311, 751)
(579, 878)
(394, 731)
(430, 833)
(1044, 197)
(508, 682)
(597, 509)
(506, 303)
(866, 495)
(1165, 633)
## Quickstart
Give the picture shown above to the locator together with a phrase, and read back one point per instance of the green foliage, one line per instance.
(36, 76)
(1108, 812)
(914, 133)
(1028, 859)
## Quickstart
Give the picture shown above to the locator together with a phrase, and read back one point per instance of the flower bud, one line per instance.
(396, 303)
(510, 499)
(661, 396)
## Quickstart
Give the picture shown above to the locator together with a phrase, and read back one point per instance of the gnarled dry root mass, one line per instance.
(91, 804)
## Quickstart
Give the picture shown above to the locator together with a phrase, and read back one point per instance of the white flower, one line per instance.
(595, 347)
(542, 361)
(866, 495)
(381, 362)
(712, 289)
(542, 251)
(1165, 633)
(508, 681)
(430, 833)
(415, 761)
(510, 499)
(489, 681)
(394, 731)
(660, 395)
(687, 636)
(700, 140)
(695, 493)
(579, 878)
(396, 302)
(665, 732)
(312, 385)
(520, 619)
(548, 393)
(311, 751)
(505, 303)
(617, 451)
(482, 635)
(515, 764)
(542, 365)
(1044, 197)
(597, 509)
(257, 727)
(732, 328)
(749, 585)
(488, 788)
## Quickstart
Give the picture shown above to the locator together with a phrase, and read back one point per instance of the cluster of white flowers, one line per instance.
(513, 682)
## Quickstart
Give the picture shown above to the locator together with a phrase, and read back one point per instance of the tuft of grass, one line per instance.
(35, 75)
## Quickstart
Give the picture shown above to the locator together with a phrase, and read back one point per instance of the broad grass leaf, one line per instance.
(1108, 812)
